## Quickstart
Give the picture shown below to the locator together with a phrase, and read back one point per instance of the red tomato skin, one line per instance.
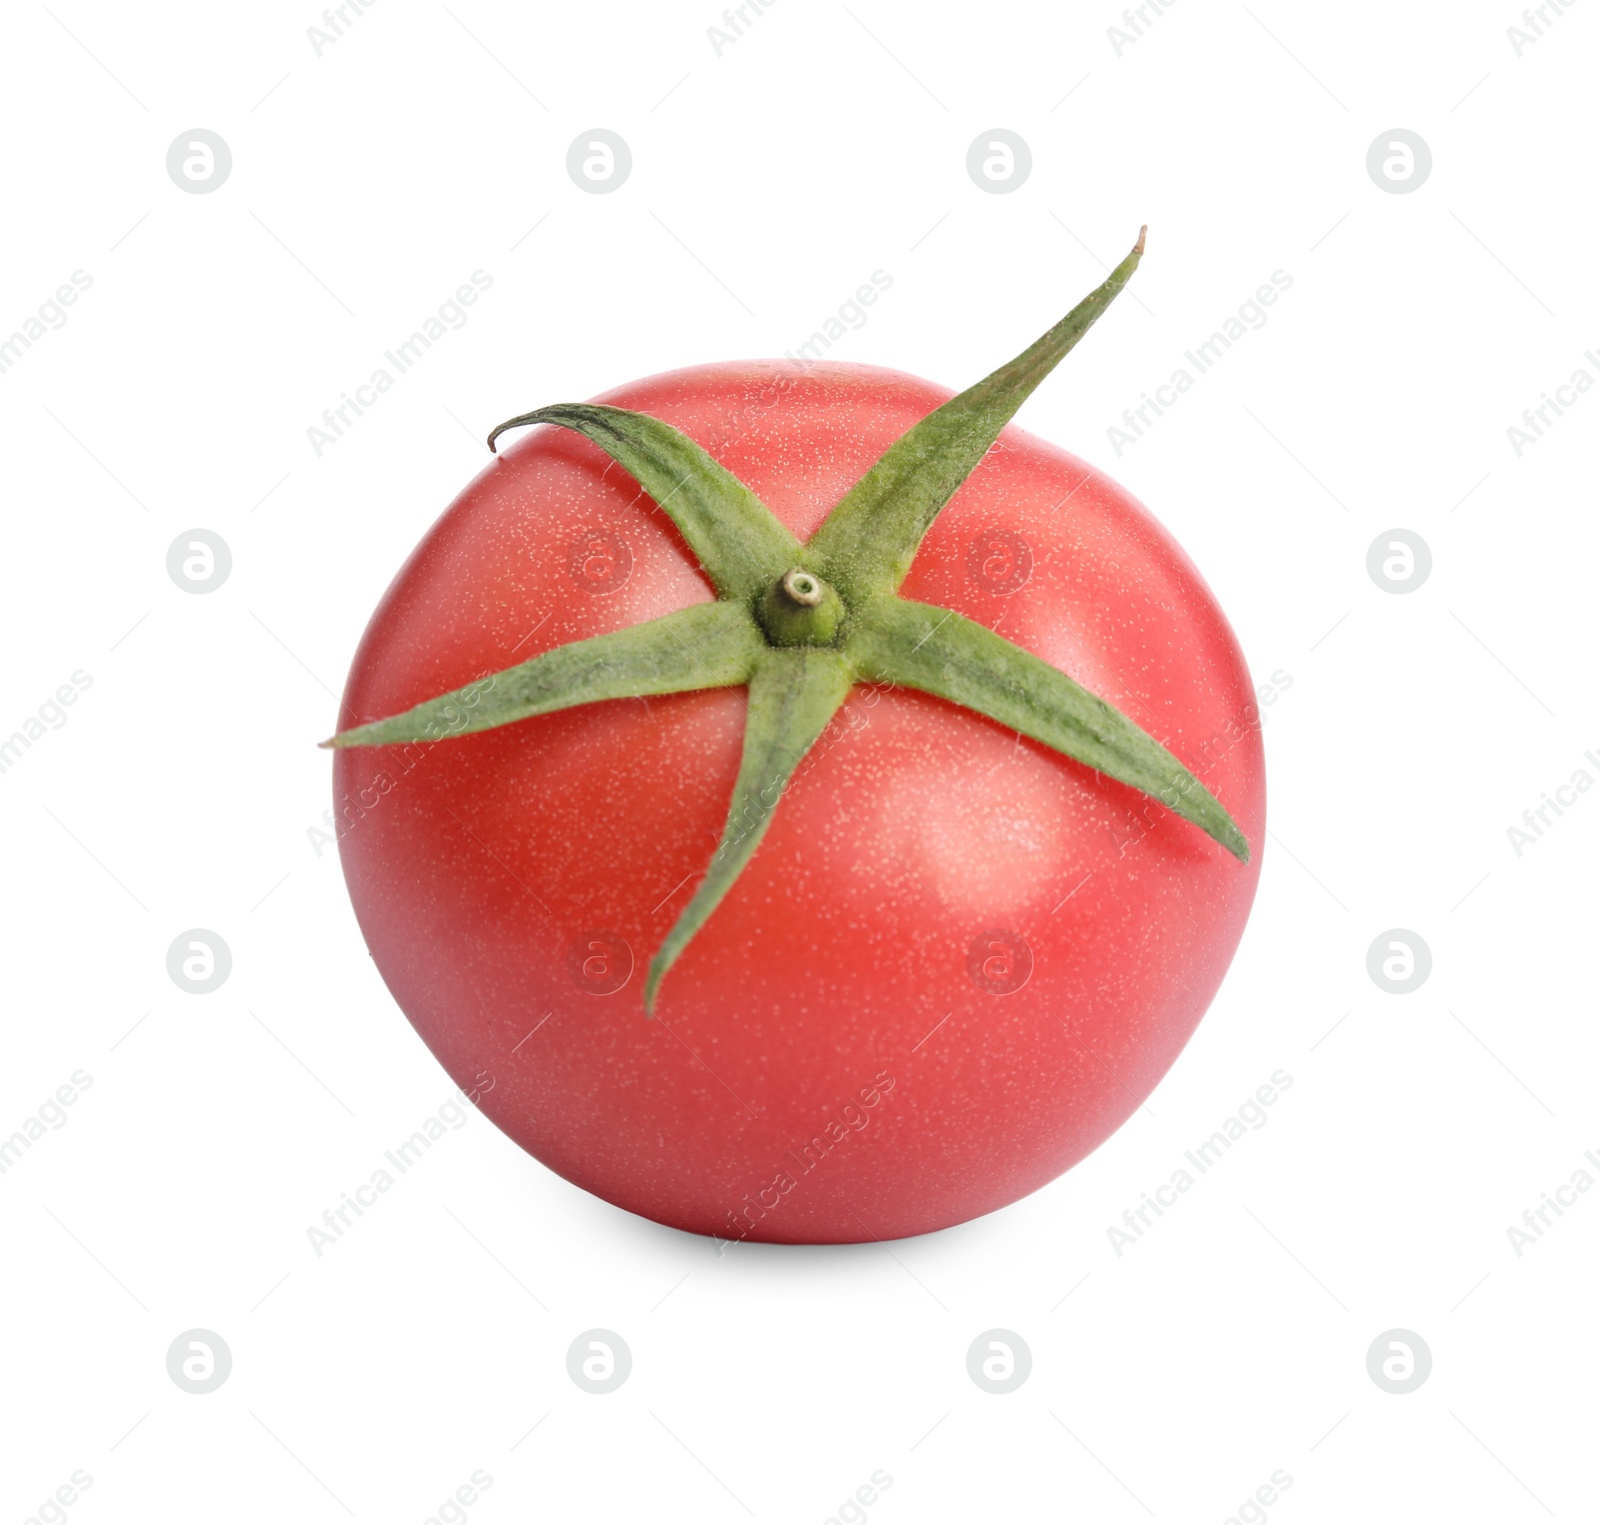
(835, 1057)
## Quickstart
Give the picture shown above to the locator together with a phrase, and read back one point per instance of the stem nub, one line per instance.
(800, 609)
(804, 590)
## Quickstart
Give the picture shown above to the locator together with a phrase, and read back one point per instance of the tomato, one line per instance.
(957, 962)
(997, 734)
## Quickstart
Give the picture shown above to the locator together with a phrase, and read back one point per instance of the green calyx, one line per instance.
(798, 625)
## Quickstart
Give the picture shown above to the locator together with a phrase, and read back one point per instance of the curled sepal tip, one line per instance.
(734, 535)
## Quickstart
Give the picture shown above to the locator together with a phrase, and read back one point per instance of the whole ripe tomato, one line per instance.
(958, 961)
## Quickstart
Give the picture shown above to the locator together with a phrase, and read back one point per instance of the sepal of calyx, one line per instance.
(798, 624)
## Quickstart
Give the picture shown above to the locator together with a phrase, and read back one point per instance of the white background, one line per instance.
(768, 182)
